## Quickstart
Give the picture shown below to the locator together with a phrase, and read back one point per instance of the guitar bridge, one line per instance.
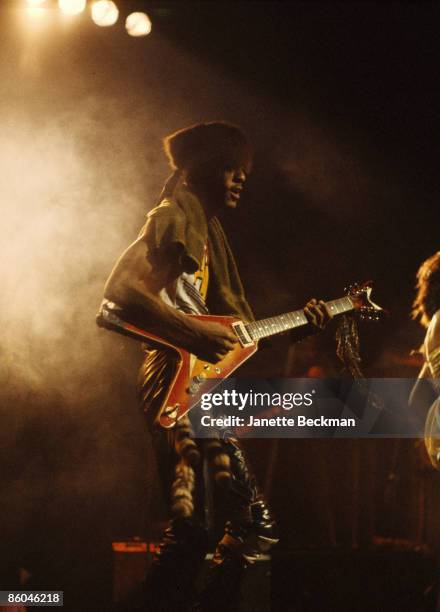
(242, 334)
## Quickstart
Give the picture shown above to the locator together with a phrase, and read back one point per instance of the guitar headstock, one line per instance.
(360, 296)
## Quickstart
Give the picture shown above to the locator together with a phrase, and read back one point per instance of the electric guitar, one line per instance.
(194, 376)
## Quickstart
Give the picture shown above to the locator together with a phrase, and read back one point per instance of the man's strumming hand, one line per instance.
(212, 341)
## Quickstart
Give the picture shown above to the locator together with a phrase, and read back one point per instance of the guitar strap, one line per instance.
(347, 349)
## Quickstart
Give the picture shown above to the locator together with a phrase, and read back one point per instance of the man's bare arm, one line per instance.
(135, 282)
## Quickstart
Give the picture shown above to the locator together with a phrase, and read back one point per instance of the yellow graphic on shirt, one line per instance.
(201, 277)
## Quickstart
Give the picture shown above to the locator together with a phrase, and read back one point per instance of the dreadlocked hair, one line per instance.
(427, 300)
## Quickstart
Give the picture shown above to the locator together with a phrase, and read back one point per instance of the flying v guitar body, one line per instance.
(193, 377)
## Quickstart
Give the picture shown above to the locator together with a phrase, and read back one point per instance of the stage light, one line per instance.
(72, 7)
(105, 13)
(138, 24)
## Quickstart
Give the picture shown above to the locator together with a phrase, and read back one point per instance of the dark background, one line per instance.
(341, 101)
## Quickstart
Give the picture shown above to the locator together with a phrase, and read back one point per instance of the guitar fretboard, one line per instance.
(290, 320)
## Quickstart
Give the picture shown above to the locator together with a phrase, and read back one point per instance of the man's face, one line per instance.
(218, 186)
(233, 182)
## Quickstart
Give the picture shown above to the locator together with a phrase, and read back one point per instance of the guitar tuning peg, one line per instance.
(351, 289)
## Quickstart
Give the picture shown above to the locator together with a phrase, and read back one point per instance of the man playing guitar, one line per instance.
(182, 264)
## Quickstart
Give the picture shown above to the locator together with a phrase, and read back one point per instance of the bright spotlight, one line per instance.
(105, 13)
(35, 2)
(138, 24)
(72, 7)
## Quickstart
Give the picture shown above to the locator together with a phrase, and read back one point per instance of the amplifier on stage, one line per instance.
(131, 560)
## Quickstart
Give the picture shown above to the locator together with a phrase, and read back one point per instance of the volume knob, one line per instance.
(200, 378)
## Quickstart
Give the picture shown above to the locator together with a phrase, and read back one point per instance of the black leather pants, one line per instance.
(248, 530)
(205, 482)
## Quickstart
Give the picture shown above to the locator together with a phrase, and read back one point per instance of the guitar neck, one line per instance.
(291, 320)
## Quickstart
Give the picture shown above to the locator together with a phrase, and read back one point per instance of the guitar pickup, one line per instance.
(242, 334)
